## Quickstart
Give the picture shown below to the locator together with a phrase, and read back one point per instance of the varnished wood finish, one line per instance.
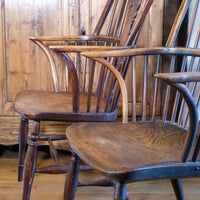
(113, 139)
(39, 105)
(23, 136)
(145, 149)
(30, 162)
(177, 185)
(179, 77)
(120, 191)
(72, 178)
(68, 48)
(143, 51)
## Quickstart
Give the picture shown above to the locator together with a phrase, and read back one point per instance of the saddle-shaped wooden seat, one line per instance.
(45, 106)
(115, 148)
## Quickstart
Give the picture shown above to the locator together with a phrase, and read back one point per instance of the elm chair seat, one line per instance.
(44, 105)
(112, 148)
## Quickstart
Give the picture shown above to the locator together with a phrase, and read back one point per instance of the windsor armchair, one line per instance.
(87, 97)
(150, 147)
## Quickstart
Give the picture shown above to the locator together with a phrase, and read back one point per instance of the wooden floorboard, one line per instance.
(51, 186)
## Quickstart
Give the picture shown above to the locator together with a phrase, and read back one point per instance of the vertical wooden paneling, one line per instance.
(85, 16)
(2, 53)
(26, 66)
(48, 21)
(72, 17)
(18, 69)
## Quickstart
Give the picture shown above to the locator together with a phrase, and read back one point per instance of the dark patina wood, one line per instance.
(148, 149)
(85, 99)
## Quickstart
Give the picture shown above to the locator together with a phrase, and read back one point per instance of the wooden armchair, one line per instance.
(86, 99)
(150, 147)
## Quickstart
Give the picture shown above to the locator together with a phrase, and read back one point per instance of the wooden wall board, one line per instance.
(2, 53)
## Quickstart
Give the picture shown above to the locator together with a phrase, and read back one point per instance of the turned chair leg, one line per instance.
(177, 186)
(71, 181)
(23, 134)
(30, 161)
(120, 191)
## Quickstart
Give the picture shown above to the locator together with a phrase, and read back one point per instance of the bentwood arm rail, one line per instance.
(76, 38)
(144, 51)
(41, 39)
(181, 77)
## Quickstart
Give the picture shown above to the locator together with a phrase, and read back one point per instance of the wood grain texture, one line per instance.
(76, 38)
(69, 48)
(181, 77)
(2, 54)
(118, 148)
(144, 51)
(51, 105)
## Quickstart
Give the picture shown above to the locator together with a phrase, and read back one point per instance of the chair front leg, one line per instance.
(23, 135)
(120, 191)
(30, 161)
(177, 186)
(71, 181)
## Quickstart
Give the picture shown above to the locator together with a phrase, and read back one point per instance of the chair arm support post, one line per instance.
(74, 79)
(51, 61)
(192, 131)
(122, 87)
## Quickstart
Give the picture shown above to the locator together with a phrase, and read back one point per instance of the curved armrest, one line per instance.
(181, 77)
(143, 51)
(75, 38)
(79, 49)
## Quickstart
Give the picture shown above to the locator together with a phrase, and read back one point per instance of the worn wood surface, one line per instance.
(52, 186)
(116, 144)
(24, 66)
(179, 77)
(37, 104)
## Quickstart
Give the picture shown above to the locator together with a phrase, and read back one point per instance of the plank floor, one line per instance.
(51, 186)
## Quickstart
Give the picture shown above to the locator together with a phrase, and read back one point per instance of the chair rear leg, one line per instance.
(177, 186)
(30, 161)
(71, 181)
(120, 191)
(23, 134)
